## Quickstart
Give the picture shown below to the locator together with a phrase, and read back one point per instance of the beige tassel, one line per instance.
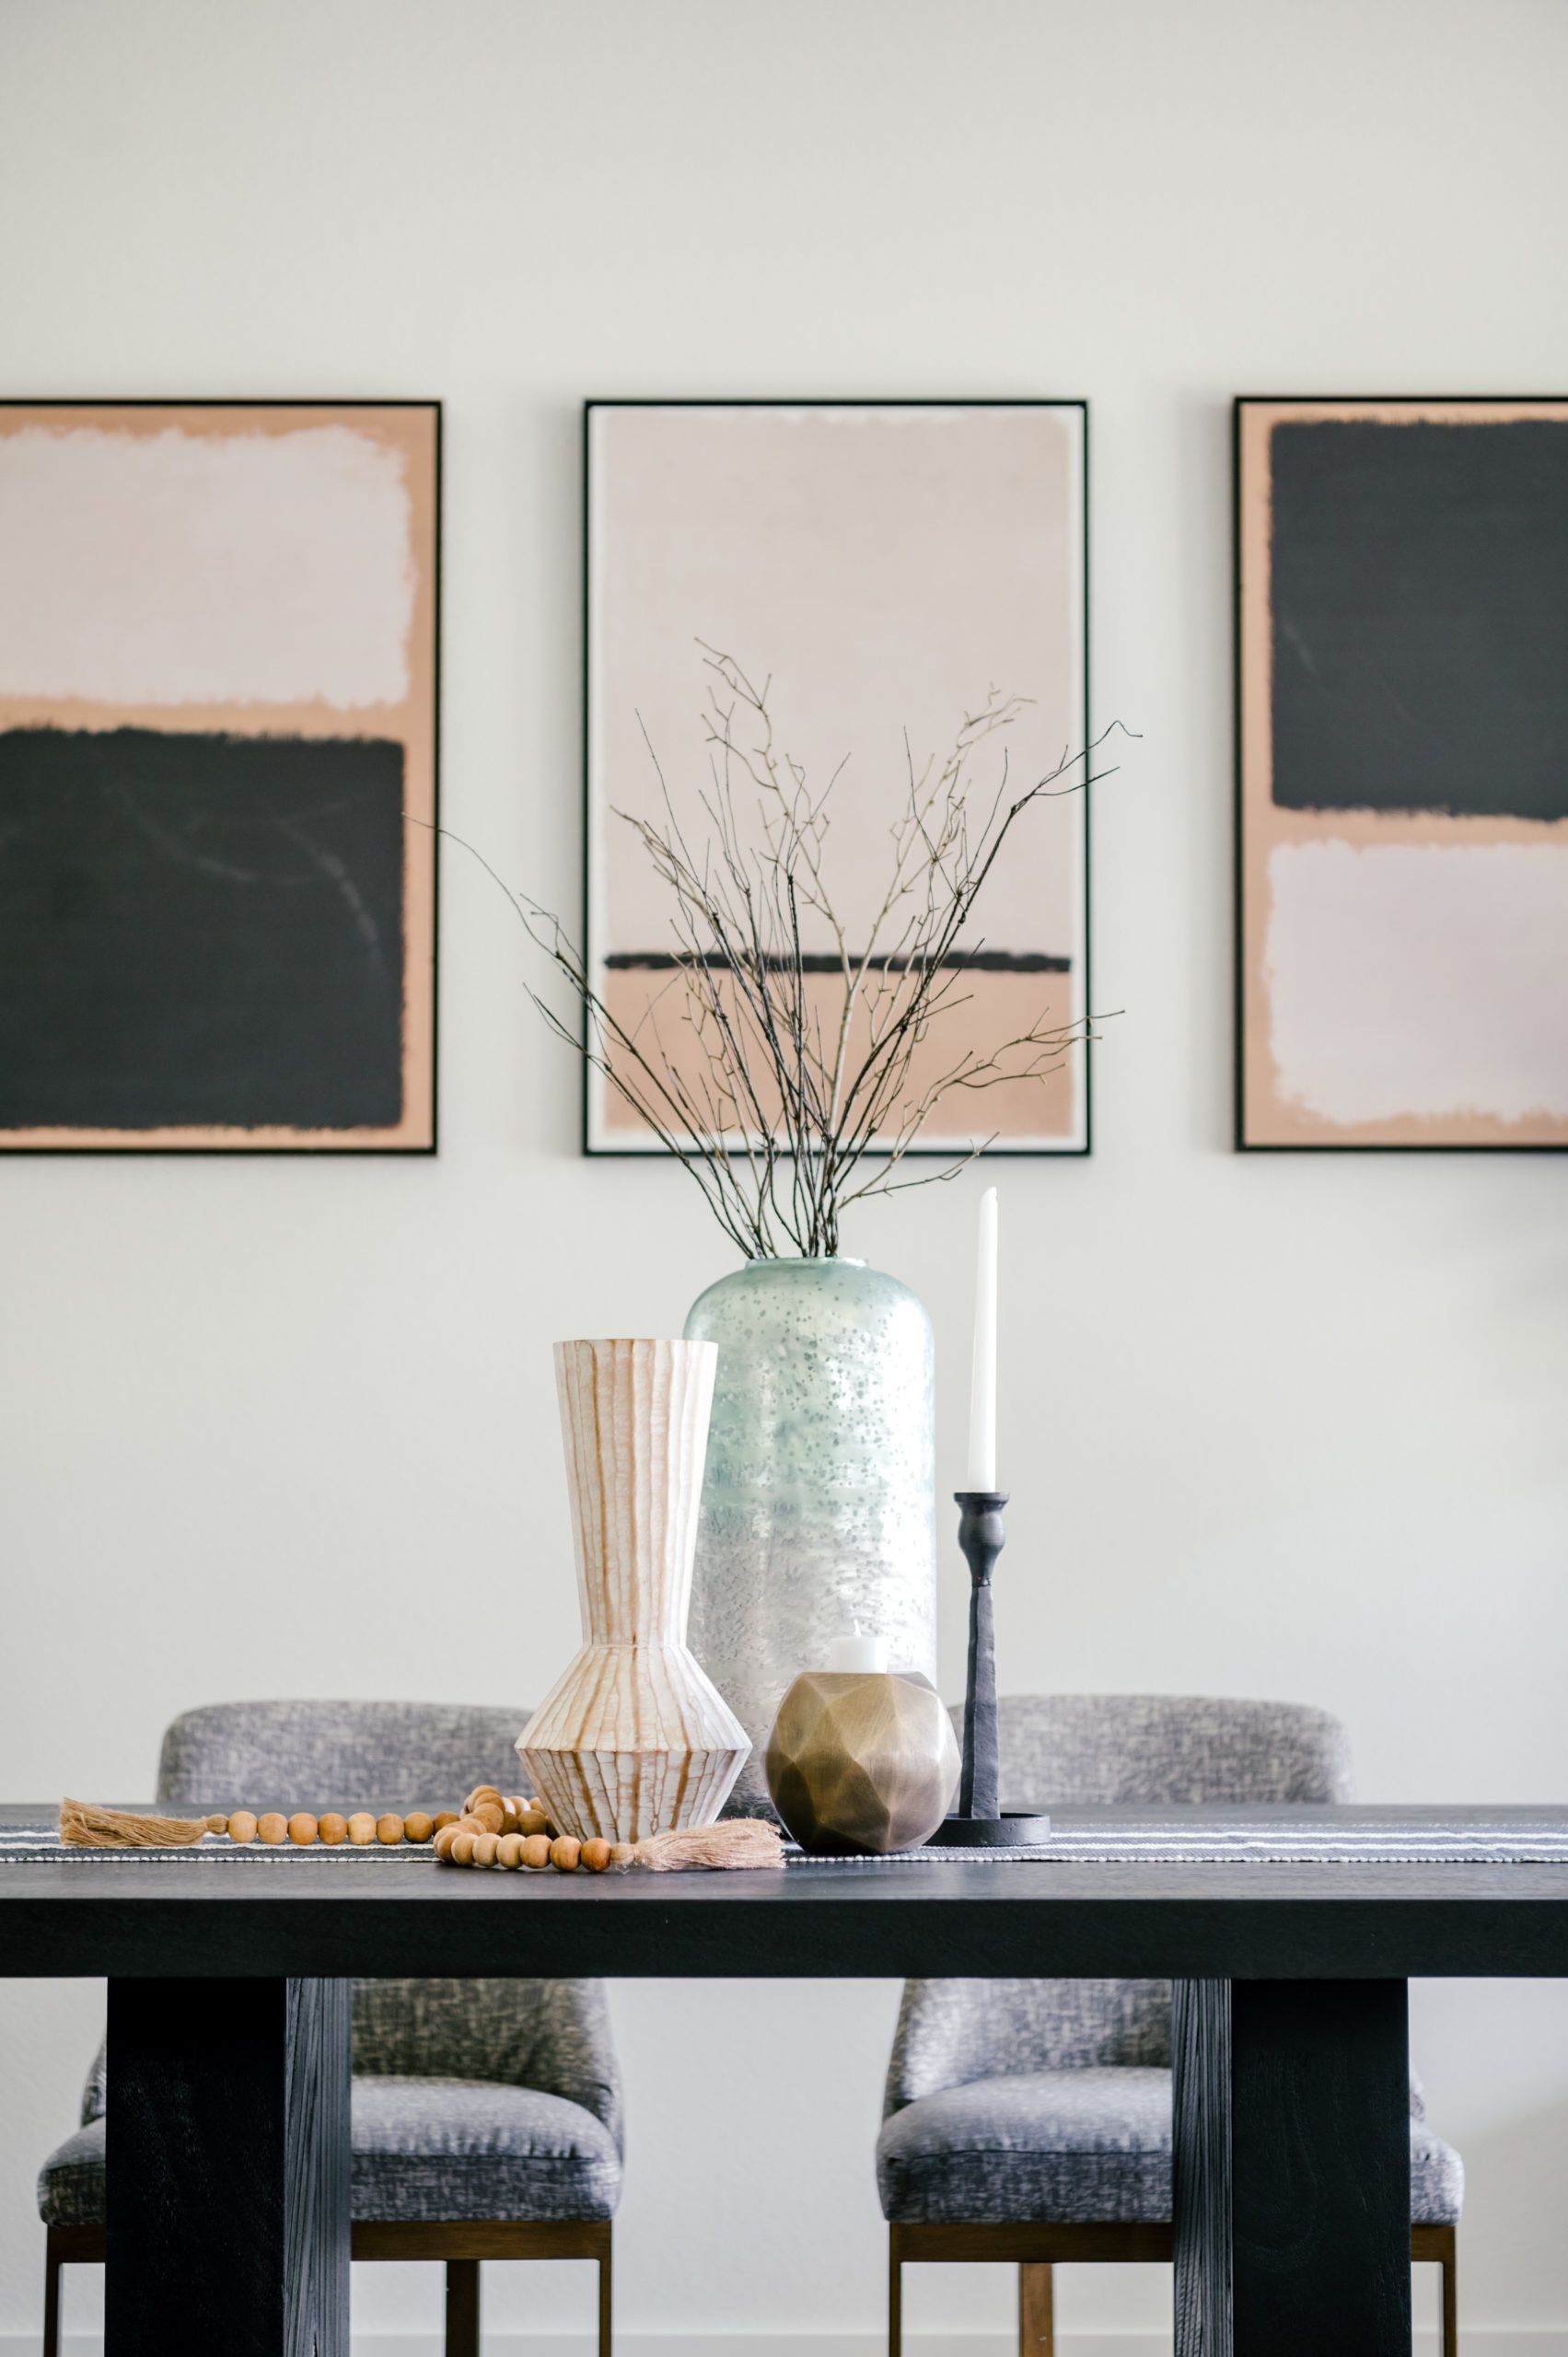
(85, 1826)
(738, 1841)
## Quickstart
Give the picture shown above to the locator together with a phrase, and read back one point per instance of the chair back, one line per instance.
(1105, 1751)
(554, 2034)
(551, 2035)
(319, 1756)
(1164, 1750)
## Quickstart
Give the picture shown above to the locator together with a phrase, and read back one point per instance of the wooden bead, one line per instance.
(595, 1856)
(273, 1826)
(333, 1829)
(242, 1825)
(533, 1820)
(491, 1814)
(622, 1853)
(485, 1846)
(444, 1839)
(481, 1792)
(361, 1828)
(509, 1852)
(302, 1828)
(564, 1851)
(536, 1850)
(517, 1802)
(217, 1824)
(417, 1827)
(461, 1851)
(389, 1829)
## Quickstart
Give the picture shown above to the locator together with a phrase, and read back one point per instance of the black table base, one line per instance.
(228, 2194)
(1290, 2168)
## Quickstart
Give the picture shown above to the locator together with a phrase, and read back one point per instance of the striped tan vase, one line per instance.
(635, 1738)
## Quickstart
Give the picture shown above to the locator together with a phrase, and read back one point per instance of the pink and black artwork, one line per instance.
(882, 567)
(1402, 638)
(217, 775)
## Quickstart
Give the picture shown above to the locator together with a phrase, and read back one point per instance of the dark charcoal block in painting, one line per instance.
(228, 2169)
(200, 931)
(1419, 616)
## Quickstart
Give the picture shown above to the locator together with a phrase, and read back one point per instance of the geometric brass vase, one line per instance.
(862, 1762)
(633, 1738)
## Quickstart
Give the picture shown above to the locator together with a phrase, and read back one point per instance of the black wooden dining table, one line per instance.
(229, 2040)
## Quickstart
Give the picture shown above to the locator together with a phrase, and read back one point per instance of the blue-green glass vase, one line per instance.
(818, 1499)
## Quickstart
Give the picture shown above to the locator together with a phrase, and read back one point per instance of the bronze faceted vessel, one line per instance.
(862, 1762)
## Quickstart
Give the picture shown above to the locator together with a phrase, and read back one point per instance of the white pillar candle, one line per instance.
(852, 1652)
(983, 1386)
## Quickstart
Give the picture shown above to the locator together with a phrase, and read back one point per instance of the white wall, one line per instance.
(1294, 1425)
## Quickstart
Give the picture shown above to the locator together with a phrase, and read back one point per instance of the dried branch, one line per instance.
(786, 1088)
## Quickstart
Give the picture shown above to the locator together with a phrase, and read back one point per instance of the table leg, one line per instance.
(228, 2176)
(1292, 2168)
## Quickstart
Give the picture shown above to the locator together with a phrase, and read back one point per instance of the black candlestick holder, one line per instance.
(980, 1823)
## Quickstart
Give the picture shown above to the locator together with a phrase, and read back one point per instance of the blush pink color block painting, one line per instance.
(1403, 790)
(885, 567)
(217, 775)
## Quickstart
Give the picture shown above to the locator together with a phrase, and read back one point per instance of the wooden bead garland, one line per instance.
(495, 1831)
(492, 1831)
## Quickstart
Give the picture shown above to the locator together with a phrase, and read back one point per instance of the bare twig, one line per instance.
(788, 1088)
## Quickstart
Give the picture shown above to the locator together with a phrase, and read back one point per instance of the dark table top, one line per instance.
(328, 1916)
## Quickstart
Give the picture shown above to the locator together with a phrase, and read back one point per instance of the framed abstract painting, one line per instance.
(880, 570)
(1402, 783)
(218, 685)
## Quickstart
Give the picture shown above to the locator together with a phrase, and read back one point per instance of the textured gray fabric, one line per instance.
(951, 2032)
(426, 2148)
(549, 2035)
(1437, 2179)
(1072, 2147)
(95, 2095)
(1162, 1751)
(1016, 2099)
(1089, 1750)
(1062, 2145)
(460, 2148)
(492, 2063)
(318, 1755)
(71, 2182)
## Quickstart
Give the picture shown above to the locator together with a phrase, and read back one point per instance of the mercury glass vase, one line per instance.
(818, 1499)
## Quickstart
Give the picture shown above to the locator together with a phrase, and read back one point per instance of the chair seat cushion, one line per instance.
(1072, 2148)
(422, 2149)
(1063, 2145)
(71, 2182)
(1437, 2179)
(469, 2148)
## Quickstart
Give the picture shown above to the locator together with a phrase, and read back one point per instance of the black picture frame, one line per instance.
(1346, 809)
(593, 1147)
(415, 1129)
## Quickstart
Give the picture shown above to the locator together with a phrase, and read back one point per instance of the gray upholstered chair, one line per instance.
(486, 2113)
(1029, 2121)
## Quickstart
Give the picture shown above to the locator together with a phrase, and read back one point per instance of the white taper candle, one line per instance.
(983, 1386)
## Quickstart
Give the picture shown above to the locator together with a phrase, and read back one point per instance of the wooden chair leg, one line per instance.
(1450, 2341)
(462, 2307)
(1037, 2312)
(895, 2302)
(605, 2341)
(51, 2299)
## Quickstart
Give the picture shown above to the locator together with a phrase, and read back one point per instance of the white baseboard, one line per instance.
(1478, 2340)
(1475, 2341)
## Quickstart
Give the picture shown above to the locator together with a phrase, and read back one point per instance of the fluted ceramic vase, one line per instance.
(634, 1739)
(818, 1502)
